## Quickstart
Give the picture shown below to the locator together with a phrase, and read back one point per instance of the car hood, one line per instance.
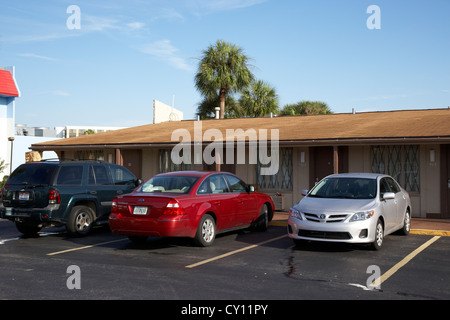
(310, 204)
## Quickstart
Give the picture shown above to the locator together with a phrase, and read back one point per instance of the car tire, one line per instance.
(379, 235)
(81, 220)
(206, 231)
(28, 228)
(262, 224)
(406, 224)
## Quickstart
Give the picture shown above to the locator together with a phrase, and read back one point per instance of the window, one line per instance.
(236, 185)
(98, 175)
(166, 164)
(213, 185)
(70, 175)
(283, 178)
(400, 162)
(121, 176)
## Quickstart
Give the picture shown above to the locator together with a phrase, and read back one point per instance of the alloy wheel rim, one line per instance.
(83, 221)
(407, 221)
(207, 230)
(379, 235)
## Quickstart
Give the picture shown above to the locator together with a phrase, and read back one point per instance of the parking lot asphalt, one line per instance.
(244, 266)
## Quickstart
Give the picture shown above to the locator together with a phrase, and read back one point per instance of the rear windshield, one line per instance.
(32, 174)
(169, 184)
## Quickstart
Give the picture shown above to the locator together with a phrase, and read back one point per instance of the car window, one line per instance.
(121, 176)
(168, 184)
(345, 188)
(70, 175)
(213, 185)
(236, 184)
(32, 174)
(392, 185)
(98, 175)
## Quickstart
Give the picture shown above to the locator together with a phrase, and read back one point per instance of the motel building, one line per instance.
(284, 155)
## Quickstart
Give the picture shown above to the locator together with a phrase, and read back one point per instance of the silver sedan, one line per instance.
(353, 208)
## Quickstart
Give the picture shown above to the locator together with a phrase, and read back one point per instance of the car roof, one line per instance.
(191, 173)
(363, 175)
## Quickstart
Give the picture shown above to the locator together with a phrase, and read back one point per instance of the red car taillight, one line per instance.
(53, 197)
(173, 208)
(114, 205)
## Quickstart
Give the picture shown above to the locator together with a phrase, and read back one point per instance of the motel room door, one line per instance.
(321, 162)
(132, 160)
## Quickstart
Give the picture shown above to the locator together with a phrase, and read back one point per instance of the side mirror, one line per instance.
(304, 192)
(251, 188)
(388, 196)
(138, 182)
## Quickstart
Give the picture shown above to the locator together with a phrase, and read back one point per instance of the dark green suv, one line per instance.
(77, 194)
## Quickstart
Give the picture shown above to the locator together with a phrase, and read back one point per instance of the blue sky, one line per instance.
(128, 53)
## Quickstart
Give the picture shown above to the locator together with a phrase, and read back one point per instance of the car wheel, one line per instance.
(262, 224)
(80, 221)
(206, 231)
(379, 236)
(406, 224)
(28, 228)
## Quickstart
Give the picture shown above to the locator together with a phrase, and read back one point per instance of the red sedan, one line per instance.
(191, 204)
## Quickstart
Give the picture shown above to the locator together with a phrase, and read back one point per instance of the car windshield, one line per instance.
(168, 184)
(345, 188)
(32, 174)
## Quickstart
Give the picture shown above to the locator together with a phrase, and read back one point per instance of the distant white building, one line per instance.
(9, 91)
(162, 113)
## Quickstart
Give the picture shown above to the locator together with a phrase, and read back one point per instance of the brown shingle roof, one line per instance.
(370, 127)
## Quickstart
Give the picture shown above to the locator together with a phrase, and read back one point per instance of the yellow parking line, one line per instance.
(234, 252)
(431, 232)
(82, 248)
(405, 260)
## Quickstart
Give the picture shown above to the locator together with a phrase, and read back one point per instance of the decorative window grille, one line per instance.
(412, 168)
(282, 180)
(400, 162)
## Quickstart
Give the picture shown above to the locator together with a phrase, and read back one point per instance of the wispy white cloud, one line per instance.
(60, 93)
(36, 56)
(164, 50)
(135, 25)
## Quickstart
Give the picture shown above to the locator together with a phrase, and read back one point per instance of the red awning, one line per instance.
(7, 84)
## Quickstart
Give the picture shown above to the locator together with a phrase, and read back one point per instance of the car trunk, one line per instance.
(151, 205)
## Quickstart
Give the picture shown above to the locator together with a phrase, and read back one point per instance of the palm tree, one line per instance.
(223, 69)
(305, 108)
(259, 100)
(206, 108)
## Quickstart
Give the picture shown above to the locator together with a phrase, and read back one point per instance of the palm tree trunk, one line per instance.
(222, 104)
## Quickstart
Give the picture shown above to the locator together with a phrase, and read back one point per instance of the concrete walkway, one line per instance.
(435, 227)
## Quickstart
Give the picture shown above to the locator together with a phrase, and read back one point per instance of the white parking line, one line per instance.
(233, 252)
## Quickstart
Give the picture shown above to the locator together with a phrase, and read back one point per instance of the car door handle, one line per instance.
(119, 191)
(93, 192)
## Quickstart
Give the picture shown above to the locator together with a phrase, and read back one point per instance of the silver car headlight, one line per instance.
(360, 216)
(295, 213)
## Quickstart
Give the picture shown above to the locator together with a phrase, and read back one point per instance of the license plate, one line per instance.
(140, 210)
(24, 196)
